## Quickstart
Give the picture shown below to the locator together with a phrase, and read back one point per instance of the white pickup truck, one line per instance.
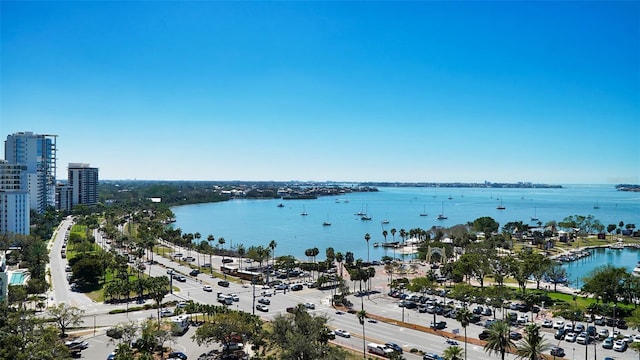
(379, 349)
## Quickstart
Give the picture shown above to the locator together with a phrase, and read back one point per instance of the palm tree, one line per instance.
(272, 246)
(498, 341)
(454, 353)
(533, 344)
(464, 317)
(367, 237)
(221, 242)
(362, 316)
(210, 239)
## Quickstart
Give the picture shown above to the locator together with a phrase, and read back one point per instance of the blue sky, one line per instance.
(345, 91)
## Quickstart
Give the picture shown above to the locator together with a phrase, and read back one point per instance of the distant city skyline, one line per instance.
(543, 92)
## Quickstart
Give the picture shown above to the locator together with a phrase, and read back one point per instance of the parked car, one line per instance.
(557, 351)
(343, 333)
(620, 346)
(583, 338)
(166, 312)
(484, 335)
(607, 343)
(547, 323)
(559, 324)
(559, 335)
(438, 325)
(514, 335)
(570, 336)
(226, 261)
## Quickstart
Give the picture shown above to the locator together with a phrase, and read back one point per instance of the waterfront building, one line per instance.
(64, 194)
(14, 199)
(83, 180)
(38, 154)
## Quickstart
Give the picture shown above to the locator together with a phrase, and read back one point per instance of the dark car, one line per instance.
(296, 287)
(438, 325)
(178, 355)
(559, 335)
(557, 351)
(393, 346)
(264, 301)
(226, 261)
(621, 324)
(194, 272)
(514, 335)
(223, 283)
(484, 335)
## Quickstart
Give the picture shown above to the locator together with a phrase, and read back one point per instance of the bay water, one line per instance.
(257, 222)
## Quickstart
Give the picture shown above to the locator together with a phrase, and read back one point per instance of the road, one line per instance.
(97, 316)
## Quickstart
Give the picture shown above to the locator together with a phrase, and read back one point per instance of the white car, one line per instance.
(568, 327)
(620, 346)
(309, 305)
(166, 312)
(262, 307)
(547, 323)
(207, 288)
(583, 338)
(570, 337)
(559, 324)
(235, 297)
(343, 333)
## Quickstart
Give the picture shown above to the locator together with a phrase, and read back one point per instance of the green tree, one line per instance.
(498, 341)
(464, 317)
(533, 344)
(454, 353)
(485, 224)
(65, 316)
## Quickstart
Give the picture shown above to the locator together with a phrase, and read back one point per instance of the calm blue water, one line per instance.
(578, 269)
(257, 222)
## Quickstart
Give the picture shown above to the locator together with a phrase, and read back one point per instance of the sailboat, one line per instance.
(596, 206)
(442, 216)
(501, 207)
(304, 212)
(326, 222)
(364, 215)
(534, 217)
(424, 211)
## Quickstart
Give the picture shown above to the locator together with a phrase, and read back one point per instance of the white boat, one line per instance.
(442, 216)
(636, 270)
(534, 217)
(304, 212)
(385, 221)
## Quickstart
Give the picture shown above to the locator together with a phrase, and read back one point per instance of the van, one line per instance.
(378, 349)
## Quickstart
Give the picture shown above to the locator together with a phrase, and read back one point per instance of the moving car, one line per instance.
(393, 346)
(166, 312)
(309, 305)
(223, 283)
(178, 355)
(432, 356)
(264, 301)
(262, 307)
(438, 325)
(343, 333)
(207, 288)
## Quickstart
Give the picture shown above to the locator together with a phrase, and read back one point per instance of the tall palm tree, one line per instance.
(362, 316)
(533, 344)
(464, 317)
(454, 353)
(210, 239)
(272, 246)
(221, 241)
(498, 341)
(367, 237)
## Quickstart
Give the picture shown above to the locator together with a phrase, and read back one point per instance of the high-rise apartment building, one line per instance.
(83, 180)
(38, 154)
(14, 199)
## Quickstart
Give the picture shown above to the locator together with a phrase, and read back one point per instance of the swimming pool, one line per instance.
(17, 278)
